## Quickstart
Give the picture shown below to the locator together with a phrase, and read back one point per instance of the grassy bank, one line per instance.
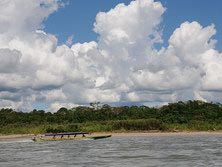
(110, 126)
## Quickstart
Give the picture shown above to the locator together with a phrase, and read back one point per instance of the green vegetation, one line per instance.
(191, 115)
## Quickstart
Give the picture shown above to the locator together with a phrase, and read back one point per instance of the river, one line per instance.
(128, 151)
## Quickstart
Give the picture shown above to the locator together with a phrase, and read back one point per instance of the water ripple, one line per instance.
(167, 151)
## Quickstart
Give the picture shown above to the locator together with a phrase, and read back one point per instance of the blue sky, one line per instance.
(78, 16)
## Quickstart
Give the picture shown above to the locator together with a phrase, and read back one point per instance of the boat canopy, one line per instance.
(67, 133)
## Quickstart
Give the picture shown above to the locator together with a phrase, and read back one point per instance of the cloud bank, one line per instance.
(123, 66)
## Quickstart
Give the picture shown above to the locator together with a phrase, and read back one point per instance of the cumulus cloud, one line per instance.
(9, 60)
(22, 16)
(122, 66)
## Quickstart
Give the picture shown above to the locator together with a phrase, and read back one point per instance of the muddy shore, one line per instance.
(123, 134)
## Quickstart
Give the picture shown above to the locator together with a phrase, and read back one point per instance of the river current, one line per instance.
(128, 151)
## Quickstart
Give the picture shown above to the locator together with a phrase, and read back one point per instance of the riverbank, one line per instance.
(185, 133)
(15, 137)
(122, 134)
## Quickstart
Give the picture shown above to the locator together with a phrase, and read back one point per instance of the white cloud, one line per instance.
(9, 60)
(22, 16)
(123, 66)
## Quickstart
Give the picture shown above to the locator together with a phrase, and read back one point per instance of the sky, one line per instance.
(65, 53)
(83, 13)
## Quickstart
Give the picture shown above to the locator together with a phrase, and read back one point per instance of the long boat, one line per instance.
(68, 136)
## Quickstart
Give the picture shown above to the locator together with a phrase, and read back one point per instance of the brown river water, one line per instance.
(117, 151)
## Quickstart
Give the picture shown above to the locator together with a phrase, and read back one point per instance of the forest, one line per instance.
(179, 116)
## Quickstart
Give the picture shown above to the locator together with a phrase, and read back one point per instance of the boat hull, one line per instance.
(42, 139)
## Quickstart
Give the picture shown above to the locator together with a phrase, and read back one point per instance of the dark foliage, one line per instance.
(180, 113)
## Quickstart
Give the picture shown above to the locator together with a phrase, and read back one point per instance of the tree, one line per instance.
(95, 105)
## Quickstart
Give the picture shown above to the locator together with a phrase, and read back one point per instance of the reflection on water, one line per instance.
(167, 151)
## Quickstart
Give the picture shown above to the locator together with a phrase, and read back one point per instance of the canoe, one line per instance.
(99, 137)
(68, 136)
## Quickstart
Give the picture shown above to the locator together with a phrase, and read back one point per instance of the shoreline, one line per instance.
(159, 133)
(123, 134)
(15, 137)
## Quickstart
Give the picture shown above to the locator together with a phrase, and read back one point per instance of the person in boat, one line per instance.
(34, 138)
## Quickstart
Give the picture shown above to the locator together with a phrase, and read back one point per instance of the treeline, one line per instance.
(191, 115)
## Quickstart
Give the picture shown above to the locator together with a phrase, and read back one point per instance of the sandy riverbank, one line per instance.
(121, 134)
(15, 137)
(161, 133)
